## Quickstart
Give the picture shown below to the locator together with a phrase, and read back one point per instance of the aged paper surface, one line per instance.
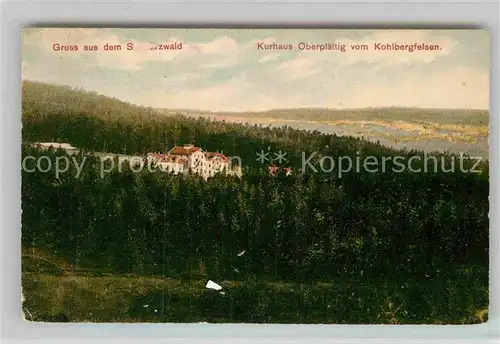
(255, 175)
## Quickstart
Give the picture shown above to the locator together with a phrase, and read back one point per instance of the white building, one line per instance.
(68, 148)
(217, 163)
(168, 163)
(194, 156)
(188, 158)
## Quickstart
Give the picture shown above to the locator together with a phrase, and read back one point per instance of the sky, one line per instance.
(223, 69)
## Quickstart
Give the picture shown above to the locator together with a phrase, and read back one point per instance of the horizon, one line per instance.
(210, 112)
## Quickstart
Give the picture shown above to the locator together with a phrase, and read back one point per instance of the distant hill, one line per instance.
(416, 115)
(53, 112)
(92, 121)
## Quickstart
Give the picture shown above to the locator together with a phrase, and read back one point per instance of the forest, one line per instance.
(366, 242)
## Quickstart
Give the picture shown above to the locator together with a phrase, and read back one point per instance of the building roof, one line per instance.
(184, 150)
(211, 155)
(177, 152)
(273, 170)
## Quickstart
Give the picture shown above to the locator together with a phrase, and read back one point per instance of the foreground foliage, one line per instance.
(457, 297)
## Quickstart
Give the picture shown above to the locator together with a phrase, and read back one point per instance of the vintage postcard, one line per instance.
(304, 176)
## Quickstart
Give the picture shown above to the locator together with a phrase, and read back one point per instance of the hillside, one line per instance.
(106, 119)
(415, 240)
(98, 123)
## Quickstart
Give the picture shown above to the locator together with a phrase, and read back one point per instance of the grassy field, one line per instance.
(456, 296)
